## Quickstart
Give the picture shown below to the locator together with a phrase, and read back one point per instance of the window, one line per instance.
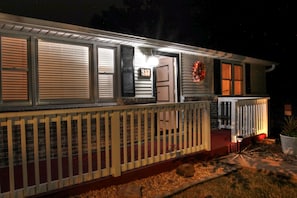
(106, 73)
(14, 69)
(63, 71)
(232, 79)
(238, 81)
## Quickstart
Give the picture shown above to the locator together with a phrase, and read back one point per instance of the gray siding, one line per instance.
(258, 80)
(143, 87)
(190, 88)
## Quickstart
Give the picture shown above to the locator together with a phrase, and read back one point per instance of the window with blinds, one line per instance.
(14, 69)
(63, 71)
(106, 66)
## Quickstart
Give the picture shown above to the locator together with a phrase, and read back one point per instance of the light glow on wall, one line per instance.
(152, 61)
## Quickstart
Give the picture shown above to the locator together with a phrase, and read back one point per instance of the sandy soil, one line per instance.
(168, 183)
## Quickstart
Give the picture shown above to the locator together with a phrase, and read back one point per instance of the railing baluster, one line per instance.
(79, 146)
(132, 128)
(98, 141)
(145, 136)
(24, 154)
(69, 143)
(165, 128)
(48, 151)
(89, 146)
(10, 156)
(107, 141)
(125, 142)
(59, 149)
(152, 132)
(36, 153)
(139, 143)
(115, 146)
(158, 134)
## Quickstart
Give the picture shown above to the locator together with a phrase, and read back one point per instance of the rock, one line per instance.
(129, 191)
(185, 170)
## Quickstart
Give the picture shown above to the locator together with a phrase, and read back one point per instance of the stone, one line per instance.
(185, 170)
(130, 191)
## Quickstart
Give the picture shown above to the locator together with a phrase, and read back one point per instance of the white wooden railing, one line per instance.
(245, 116)
(46, 150)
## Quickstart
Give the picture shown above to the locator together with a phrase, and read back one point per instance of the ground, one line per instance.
(266, 157)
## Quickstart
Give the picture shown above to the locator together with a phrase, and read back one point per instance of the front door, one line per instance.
(165, 85)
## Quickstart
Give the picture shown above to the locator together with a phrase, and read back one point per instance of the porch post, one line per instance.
(234, 107)
(115, 144)
(206, 127)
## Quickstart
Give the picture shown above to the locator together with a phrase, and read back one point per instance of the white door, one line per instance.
(165, 85)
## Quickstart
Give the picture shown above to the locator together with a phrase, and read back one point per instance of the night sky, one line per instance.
(261, 29)
(258, 29)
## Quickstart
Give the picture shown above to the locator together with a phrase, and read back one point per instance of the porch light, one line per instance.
(152, 61)
(288, 109)
(239, 138)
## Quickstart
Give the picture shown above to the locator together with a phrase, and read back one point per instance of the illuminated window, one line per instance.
(63, 71)
(106, 65)
(237, 80)
(14, 69)
(232, 80)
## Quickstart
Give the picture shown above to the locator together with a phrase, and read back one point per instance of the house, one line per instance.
(78, 104)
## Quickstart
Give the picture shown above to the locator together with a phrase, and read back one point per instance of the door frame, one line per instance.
(177, 76)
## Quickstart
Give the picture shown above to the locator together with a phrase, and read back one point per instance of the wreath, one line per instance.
(198, 71)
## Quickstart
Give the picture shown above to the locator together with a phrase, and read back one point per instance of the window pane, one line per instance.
(14, 85)
(237, 73)
(105, 85)
(237, 87)
(63, 71)
(226, 71)
(226, 87)
(106, 72)
(106, 60)
(14, 74)
(14, 53)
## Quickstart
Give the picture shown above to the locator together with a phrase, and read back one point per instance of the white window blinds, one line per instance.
(105, 72)
(63, 71)
(14, 69)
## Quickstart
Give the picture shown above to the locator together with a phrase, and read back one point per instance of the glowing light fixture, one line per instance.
(239, 138)
(152, 61)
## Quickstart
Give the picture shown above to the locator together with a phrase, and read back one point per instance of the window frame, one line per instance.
(114, 74)
(90, 79)
(232, 79)
(28, 70)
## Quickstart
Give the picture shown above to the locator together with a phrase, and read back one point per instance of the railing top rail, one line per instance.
(95, 109)
(251, 101)
(221, 99)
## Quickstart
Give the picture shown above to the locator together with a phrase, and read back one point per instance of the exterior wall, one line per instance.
(258, 80)
(190, 88)
(198, 91)
(143, 86)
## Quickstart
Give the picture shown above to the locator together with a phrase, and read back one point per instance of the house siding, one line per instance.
(258, 84)
(190, 88)
(143, 86)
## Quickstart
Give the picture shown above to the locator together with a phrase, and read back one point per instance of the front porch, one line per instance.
(46, 151)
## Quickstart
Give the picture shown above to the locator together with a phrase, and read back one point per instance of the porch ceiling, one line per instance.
(48, 28)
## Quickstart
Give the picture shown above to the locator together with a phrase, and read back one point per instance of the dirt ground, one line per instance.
(267, 157)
